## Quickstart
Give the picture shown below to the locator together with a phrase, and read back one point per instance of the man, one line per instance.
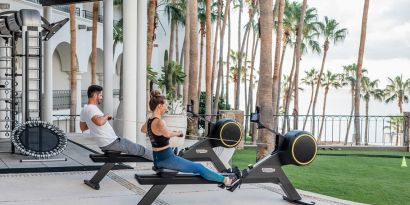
(92, 118)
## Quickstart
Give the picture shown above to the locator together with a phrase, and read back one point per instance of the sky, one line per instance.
(387, 49)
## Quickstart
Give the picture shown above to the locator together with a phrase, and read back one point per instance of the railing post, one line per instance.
(406, 130)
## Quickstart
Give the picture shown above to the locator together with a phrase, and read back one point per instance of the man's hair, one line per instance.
(93, 89)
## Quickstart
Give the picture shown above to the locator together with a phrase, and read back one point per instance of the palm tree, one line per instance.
(221, 49)
(397, 89)
(238, 4)
(217, 27)
(311, 76)
(152, 10)
(349, 79)
(252, 81)
(203, 30)
(276, 73)
(299, 33)
(330, 80)
(370, 90)
(332, 33)
(310, 34)
(193, 64)
(208, 69)
(265, 139)
(228, 60)
(187, 54)
(175, 12)
(395, 123)
(359, 72)
(73, 60)
(242, 47)
(94, 43)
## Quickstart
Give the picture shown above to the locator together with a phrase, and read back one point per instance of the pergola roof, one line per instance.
(61, 2)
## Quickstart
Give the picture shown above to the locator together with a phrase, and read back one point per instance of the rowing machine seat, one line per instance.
(116, 157)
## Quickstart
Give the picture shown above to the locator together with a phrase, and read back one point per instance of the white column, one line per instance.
(130, 69)
(142, 68)
(47, 101)
(79, 99)
(108, 56)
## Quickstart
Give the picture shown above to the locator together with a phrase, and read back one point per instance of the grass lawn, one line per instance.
(373, 180)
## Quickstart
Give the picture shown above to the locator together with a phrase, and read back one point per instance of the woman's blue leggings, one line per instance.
(168, 160)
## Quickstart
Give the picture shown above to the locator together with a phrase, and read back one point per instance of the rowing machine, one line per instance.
(296, 147)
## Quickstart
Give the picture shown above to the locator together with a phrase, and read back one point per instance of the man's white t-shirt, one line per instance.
(104, 134)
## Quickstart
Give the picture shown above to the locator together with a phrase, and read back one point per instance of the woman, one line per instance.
(164, 157)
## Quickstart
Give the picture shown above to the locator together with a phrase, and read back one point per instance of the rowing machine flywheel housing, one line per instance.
(226, 133)
(298, 148)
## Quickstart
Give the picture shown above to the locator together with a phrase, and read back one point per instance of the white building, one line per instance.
(57, 59)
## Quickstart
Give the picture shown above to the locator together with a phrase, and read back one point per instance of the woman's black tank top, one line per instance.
(156, 141)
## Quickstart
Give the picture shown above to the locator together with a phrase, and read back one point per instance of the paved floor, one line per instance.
(120, 187)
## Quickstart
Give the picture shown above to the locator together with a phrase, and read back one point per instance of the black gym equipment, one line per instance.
(226, 132)
(23, 87)
(39, 139)
(296, 147)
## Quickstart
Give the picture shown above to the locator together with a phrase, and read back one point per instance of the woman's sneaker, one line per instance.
(233, 182)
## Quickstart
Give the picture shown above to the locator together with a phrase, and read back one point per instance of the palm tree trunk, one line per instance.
(359, 72)
(400, 103)
(171, 40)
(254, 129)
(366, 131)
(94, 44)
(218, 22)
(201, 54)
(239, 50)
(208, 68)
(350, 118)
(289, 95)
(221, 49)
(248, 102)
(298, 56)
(277, 65)
(73, 60)
(152, 7)
(245, 85)
(193, 63)
(176, 44)
(187, 53)
(280, 82)
(310, 106)
(397, 133)
(250, 98)
(323, 115)
(265, 140)
(181, 59)
(326, 47)
(228, 57)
